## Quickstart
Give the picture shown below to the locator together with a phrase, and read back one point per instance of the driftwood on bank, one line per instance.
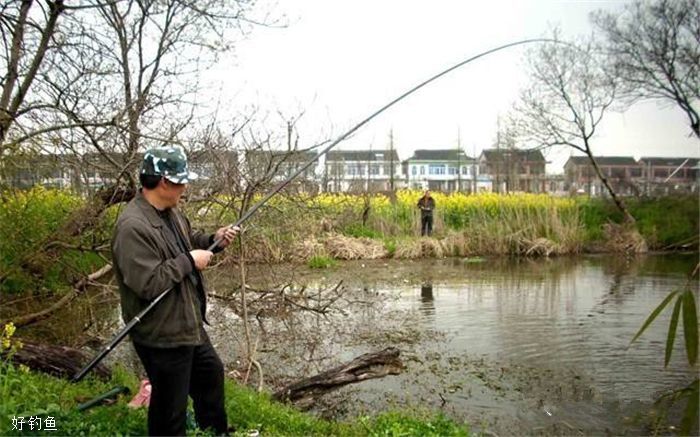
(368, 366)
(61, 361)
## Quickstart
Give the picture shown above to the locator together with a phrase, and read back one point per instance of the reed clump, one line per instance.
(306, 249)
(425, 247)
(623, 238)
(343, 247)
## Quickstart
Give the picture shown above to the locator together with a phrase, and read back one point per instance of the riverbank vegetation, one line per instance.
(36, 395)
(311, 229)
(30, 396)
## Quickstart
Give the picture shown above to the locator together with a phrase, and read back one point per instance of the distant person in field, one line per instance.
(426, 204)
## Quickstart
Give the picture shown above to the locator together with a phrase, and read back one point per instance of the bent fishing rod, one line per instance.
(133, 322)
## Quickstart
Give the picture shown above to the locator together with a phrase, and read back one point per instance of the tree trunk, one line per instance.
(618, 201)
(61, 361)
(80, 286)
(368, 366)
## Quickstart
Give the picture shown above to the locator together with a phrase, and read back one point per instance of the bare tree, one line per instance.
(565, 104)
(506, 158)
(136, 63)
(654, 48)
(26, 37)
(155, 52)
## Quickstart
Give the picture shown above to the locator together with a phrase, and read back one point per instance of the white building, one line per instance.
(361, 171)
(444, 170)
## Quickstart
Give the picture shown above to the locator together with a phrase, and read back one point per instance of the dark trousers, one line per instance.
(176, 373)
(426, 225)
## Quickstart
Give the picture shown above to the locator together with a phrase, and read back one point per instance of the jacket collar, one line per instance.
(149, 211)
(151, 214)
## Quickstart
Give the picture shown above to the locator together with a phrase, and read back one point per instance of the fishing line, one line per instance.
(247, 214)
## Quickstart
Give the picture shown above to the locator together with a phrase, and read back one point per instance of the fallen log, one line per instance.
(61, 361)
(368, 366)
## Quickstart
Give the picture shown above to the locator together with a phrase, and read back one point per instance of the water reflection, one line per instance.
(512, 336)
(427, 300)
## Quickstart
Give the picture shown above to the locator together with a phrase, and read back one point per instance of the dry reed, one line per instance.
(342, 247)
(623, 238)
(306, 249)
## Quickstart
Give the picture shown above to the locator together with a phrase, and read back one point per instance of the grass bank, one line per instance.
(33, 402)
(341, 226)
(346, 226)
(26, 395)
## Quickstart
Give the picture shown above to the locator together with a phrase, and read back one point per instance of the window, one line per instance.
(618, 172)
(452, 170)
(374, 169)
(422, 169)
(465, 170)
(435, 169)
(636, 172)
(355, 170)
(414, 170)
(660, 172)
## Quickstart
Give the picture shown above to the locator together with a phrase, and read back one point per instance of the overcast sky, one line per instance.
(339, 61)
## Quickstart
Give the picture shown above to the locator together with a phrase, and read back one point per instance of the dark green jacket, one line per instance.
(146, 263)
(426, 206)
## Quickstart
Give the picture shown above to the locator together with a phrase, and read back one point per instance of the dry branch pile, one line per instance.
(307, 249)
(424, 247)
(540, 247)
(623, 238)
(342, 247)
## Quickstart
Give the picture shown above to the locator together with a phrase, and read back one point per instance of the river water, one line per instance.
(511, 346)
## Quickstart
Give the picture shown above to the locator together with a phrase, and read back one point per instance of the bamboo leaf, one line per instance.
(672, 330)
(690, 416)
(690, 326)
(653, 315)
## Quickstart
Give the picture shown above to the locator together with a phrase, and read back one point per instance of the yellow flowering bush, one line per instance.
(7, 344)
(28, 219)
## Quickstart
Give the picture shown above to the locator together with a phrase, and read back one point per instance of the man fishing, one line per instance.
(154, 249)
(426, 204)
(147, 258)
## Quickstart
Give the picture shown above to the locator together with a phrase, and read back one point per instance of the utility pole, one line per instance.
(370, 159)
(459, 163)
(498, 154)
(475, 166)
(391, 159)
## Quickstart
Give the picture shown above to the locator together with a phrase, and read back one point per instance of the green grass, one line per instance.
(321, 262)
(25, 393)
(663, 222)
(357, 230)
(390, 246)
(668, 220)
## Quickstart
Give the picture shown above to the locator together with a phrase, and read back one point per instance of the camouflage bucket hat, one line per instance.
(169, 162)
